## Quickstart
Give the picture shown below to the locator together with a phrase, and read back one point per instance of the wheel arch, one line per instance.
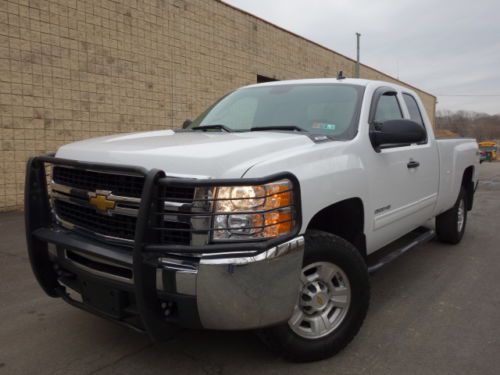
(468, 185)
(350, 226)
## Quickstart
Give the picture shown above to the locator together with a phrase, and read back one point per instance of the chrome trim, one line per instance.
(61, 188)
(173, 206)
(178, 265)
(230, 293)
(71, 226)
(226, 254)
(185, 275)
(186, 283)
(69, 190)
(67, 224)
(78, 197)
(201, 205)
(75, 196)
(125, 211)
(260, 291)
(70, 197)
(117, 198)
(277, 251)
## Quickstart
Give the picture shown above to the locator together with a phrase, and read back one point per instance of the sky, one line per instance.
(450, 48)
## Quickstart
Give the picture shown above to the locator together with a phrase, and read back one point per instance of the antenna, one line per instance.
(340, 75)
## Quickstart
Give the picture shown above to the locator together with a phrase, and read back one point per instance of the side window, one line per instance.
(388, 109)
(412, 106)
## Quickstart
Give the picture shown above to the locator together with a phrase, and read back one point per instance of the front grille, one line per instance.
(175, 233)
(117, 227)
(122, 185)
(178, 194)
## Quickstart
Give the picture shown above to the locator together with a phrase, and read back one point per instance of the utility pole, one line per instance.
(358, 35)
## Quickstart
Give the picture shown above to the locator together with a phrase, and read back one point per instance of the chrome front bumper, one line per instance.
(245, 293)
(231, 293)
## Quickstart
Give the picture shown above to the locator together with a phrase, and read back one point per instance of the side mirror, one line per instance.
(395, 133)
(186, 123)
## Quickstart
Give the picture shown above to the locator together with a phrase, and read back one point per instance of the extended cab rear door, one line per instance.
(404, 180)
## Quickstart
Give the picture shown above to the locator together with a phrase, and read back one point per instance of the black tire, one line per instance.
(447, 223)
(325, 247)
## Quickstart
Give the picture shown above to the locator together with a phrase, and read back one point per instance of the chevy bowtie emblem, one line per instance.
(101, 203)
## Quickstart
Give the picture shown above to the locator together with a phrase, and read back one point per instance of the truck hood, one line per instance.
(193, 154)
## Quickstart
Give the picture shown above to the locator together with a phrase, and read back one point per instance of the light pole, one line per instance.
(358, 35)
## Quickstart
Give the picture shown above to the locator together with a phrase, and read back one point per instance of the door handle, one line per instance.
(413, 164)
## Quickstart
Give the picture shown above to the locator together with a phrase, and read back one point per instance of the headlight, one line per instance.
(253, 212)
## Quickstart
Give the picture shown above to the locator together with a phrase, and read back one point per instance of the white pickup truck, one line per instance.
(266, 212)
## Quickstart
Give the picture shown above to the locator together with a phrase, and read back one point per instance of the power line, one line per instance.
(486, 95)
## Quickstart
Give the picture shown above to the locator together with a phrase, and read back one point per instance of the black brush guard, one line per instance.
(147, 246)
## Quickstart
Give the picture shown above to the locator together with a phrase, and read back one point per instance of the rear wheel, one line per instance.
(450, 225)
(332, 302)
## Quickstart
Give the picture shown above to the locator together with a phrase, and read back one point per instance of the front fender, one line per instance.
(328, 173)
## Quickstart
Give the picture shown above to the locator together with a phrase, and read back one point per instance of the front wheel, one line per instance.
(332, 303)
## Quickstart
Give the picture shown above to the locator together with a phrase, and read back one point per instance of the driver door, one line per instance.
(404, 179)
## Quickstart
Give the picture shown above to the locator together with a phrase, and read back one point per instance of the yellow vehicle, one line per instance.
(488, 150)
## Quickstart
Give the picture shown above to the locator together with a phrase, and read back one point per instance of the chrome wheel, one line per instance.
(324, 300)
(461, 215)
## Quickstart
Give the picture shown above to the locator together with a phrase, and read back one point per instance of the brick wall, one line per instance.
(77, 69)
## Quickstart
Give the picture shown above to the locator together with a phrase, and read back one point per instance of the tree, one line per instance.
(469, 124)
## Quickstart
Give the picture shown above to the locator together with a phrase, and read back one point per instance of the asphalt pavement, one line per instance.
(435, 310)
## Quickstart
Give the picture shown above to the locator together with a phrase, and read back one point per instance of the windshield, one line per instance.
(329, 109)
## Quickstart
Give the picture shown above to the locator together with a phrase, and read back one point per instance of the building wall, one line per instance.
(72, 69)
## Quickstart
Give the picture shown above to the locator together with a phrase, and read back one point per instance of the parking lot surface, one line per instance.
(435, 310)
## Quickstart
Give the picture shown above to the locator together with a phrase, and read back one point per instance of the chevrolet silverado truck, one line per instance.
(268, 212)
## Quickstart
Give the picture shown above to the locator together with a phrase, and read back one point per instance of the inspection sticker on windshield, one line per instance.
(324, 126)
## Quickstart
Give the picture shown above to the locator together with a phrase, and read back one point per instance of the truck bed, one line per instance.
(455, 155)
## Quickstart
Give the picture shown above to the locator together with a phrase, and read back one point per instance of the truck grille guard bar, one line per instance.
(147, 247)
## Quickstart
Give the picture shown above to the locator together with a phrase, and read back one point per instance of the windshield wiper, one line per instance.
(277, 127)
(258, 128)
(211, 127)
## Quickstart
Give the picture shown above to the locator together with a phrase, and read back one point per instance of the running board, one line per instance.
(418, 237)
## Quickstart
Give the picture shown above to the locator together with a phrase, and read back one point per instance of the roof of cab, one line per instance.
(351, 81)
